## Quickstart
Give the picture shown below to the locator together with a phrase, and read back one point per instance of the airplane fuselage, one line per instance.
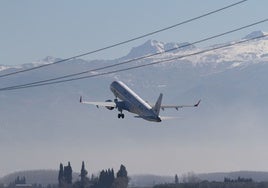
(131, 102)
(126, 99)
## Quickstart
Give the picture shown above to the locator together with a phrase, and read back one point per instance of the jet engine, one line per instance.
(109, 108)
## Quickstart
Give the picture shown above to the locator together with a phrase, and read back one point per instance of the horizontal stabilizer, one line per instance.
(103, 104)
(180, 106)
(161, 117)
(169, 117)
(150, 118)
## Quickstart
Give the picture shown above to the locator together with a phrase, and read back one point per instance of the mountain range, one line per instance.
(42, 126)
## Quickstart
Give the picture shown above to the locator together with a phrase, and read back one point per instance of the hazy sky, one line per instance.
(32, 30)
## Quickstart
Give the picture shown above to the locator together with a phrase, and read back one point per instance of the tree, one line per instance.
(83, 175)
(120, 183)
(68, 173)
(190, 177)
(106, 179)
(176, 179)
(122, 172)
(121, 180)
(19, 180)
(61, 176)
(84, 182)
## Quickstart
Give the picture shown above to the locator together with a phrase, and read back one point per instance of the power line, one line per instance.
(134, 67)
(126, 41)
(139, 58)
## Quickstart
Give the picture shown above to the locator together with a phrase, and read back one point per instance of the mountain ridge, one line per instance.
(153, 47)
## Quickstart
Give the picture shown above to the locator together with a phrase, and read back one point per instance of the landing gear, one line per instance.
(121, 116)
(120, 107)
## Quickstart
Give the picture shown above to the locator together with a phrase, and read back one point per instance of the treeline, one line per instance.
(21, 182)
(106, 178)
(18, 180)
(239, 179)
(192, 181)
(206, 184)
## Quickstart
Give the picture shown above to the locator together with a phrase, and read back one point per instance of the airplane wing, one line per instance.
(179, 106)
(108, 104)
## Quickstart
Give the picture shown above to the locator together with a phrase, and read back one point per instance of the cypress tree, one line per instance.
(121, 180)
(176, 179)
(83, 175)
(61, 176)
(83, 172)
(68, 173)
(122, 172)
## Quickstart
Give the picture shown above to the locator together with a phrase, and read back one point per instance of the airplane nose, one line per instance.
(159, 119)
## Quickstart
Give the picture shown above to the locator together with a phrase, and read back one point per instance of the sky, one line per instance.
(32, 30)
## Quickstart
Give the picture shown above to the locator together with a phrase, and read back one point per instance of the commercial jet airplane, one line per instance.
(131, 102)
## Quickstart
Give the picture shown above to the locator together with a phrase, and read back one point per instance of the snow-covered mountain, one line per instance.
(248, 53)
(255, 34)
(153, 47)
(49, 123)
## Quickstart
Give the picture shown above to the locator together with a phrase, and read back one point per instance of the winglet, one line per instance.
(81, 100)
(197, 104)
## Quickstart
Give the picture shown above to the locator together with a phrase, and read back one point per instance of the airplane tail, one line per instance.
(157, 105)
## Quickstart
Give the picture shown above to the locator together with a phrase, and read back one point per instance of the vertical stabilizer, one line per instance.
(157, 105)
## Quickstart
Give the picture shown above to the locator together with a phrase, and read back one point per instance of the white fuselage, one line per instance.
(132, 102)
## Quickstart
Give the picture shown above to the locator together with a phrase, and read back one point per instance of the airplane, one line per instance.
(131, 102)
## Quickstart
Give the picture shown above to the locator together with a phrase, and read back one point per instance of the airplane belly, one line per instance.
(133, 105)
(132, 102)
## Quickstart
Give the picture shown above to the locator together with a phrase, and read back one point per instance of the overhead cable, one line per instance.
(143, 57)
(126, 41)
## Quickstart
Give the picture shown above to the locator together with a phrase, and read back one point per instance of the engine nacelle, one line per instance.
(109, 108)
